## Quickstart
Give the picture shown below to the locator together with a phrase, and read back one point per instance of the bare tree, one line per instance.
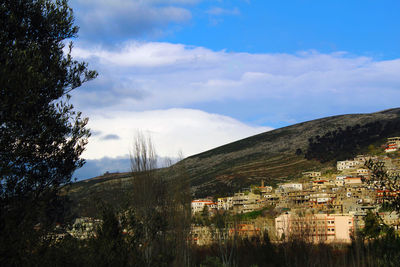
(143, 155)
(179, 199)
(148, 199)
(224, 231)
(389, 184)
(161, 206)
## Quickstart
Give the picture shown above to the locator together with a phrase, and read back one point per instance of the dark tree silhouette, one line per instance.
(346, 143)
(41, 135)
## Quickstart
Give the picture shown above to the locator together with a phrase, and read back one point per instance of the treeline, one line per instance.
(261, 252)
(151, 228)
(111, 248)
(346, 143)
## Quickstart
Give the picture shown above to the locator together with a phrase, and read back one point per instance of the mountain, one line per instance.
(274, 156)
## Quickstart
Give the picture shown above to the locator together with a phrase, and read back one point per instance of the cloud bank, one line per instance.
(192, 99)
(141, 76)
(172, 131)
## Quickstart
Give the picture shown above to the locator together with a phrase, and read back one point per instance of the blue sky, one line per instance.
(197, 74)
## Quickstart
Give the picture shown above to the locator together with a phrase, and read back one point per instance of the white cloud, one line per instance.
(176, 81)
(107, 21)
(218, 11)
(138, 54)
(173, 130)
(141, 76)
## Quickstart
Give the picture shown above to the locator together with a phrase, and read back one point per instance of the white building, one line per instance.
(291, 187)
(391, 148)
(393, 140)
(312, 174)
(198, 205)
(363, 172)
(347, 164)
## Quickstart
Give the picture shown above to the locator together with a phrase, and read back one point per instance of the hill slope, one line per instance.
(270, 156)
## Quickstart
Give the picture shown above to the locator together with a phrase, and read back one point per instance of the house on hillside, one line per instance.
(199, 204)
(353, 181)
(348, 164)
(312, 174)
(246, 202)
(321, 184)
(264, 189)
(225, 203)
(363, 172)
(287, 187)
(392, 144)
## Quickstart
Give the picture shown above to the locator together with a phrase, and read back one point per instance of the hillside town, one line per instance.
(322, 207)
(328, 207)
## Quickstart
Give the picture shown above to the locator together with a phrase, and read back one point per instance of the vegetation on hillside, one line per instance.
(346, 143)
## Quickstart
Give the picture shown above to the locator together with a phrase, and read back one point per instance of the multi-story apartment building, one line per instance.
(270, 199)
(329, 228)
(299, 198)
(246, 202)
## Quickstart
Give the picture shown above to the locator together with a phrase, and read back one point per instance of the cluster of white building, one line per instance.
(355, 163)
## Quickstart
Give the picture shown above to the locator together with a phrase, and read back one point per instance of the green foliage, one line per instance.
(257, 191)
(385, 207)
(108, 248)
(346, 143)
(373, 226)
(250, 215)
(41, 135)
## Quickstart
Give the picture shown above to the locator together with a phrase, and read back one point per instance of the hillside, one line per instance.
(270, 156)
